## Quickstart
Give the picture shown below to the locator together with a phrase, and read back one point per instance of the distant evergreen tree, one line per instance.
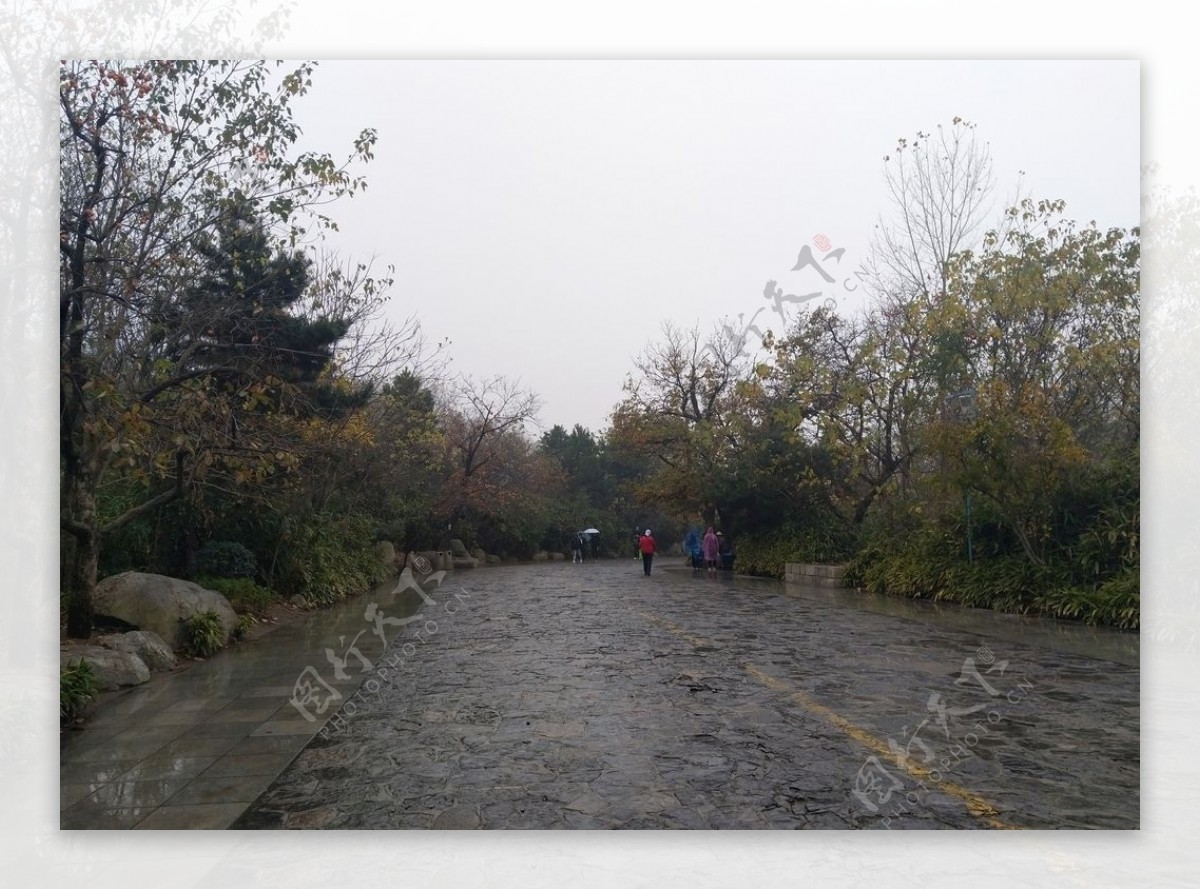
(244, 327)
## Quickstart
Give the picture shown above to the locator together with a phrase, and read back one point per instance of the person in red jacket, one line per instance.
(646, 545)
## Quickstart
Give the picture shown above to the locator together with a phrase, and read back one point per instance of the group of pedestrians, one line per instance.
(709, 551)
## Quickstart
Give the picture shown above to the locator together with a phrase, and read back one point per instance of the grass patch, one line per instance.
(77, 688)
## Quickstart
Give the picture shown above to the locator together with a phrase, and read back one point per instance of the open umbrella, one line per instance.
(591, 531)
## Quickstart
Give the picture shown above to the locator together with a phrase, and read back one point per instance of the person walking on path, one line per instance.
(577, 548)
(692, 547)
(711, 545)
(646, 546)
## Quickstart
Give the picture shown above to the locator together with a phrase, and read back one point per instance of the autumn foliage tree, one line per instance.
(679, 414)
(491, 462)
(157, 159)
(972, 435)
(1049, 317)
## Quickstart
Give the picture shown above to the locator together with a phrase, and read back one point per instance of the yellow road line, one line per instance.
(975, 804)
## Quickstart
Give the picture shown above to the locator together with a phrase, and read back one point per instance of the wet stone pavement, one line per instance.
(590, 696)
(192, 749)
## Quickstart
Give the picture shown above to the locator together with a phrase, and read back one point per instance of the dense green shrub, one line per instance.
(203, 633)
(245, 621)
(1116, 602)
(226, 559)
(767, 554)
(76, 689)
(927, 564)
(131, 546)
(243, 594)
(327, 558)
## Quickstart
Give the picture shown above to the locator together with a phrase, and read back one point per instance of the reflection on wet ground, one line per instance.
(192, 749)
(1122, 647)
(562, 696)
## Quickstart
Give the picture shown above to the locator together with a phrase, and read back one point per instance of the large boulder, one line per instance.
(458, 548)
(160, 604)
(479, 554)
(111, 668)
(146, 645)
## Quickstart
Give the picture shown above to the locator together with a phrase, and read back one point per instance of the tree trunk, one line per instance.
(1026, 544)
(83, 565)
(863, 505)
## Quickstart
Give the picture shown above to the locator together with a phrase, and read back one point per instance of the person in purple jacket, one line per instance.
(711, 546)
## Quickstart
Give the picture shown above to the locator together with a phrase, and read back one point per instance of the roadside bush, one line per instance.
(768, 554)
(928, 564)
(1116, 602)
(203, 634)
(225, 559)
(244, 623)
(76, 689)
(328, 558)
(243, 594)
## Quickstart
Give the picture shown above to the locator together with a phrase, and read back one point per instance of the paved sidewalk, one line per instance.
(194, 748)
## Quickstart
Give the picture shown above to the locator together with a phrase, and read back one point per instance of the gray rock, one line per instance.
(146, 645)
(113, 668)
(159, 604)
(386, 552)
(557, 556)
(457, 548)
(479, 554)
(493, 559)
(541, 556)
(464, 562)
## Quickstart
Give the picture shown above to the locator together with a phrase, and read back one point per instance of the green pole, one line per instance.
(970, 545)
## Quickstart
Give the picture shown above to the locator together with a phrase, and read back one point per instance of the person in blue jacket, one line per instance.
(691, 546)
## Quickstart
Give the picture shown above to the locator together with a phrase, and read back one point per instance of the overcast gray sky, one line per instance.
(548, 216)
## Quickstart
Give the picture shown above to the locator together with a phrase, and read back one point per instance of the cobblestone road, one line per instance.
(591, 696)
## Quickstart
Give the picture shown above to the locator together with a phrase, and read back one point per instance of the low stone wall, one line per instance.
(817, 575)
